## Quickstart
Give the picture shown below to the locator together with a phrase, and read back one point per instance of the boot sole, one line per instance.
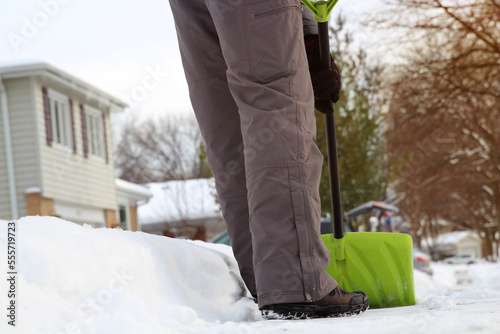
(301, 312)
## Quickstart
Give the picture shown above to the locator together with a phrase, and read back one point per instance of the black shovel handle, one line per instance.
(331, 141)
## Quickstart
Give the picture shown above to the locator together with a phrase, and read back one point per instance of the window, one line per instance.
(60, 118)
(123, 217)
(95, 132)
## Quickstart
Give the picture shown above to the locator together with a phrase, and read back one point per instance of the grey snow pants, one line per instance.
(250, 88)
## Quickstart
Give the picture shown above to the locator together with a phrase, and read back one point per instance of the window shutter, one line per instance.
(105, 142)
(84, 132)
(72, 119)
(46, 113)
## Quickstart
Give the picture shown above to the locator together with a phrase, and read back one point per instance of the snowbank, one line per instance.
(81, 280)
(75, 279)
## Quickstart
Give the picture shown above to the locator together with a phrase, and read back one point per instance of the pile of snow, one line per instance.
(180, 200)
(76, 279)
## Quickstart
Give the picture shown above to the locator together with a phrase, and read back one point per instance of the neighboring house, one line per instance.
(453, 243)
(185, 209)
(129, 197)
(56, 149)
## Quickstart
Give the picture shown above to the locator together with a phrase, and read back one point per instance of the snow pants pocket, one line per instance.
(275, 38)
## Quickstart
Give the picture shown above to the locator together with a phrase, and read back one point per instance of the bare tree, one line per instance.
(158, 150)
(444, 115)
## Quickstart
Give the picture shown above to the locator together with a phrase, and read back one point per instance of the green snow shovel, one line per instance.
(380, 264)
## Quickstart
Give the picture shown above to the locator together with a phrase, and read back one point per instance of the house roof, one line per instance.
(180, 200)
(133, 189)
(455, 237)
(25, 67)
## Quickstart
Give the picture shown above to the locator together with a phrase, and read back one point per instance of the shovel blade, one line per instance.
(378, 263)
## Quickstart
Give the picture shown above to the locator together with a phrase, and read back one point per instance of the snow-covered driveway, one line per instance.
(74, 279)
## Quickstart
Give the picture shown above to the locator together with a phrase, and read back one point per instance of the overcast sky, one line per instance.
(113, 44)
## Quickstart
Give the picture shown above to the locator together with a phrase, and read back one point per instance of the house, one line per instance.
(183, 209)
(458, 242)
(56, 149)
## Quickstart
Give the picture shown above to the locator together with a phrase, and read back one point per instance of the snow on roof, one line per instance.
(20, 62)
(454, 237)
(129, 187)
(32, 190)
(180, 200)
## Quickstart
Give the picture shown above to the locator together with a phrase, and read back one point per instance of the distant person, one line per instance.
(249, 75)
(388, 221)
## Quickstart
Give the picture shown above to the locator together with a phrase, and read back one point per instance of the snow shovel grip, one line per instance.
(321, 10)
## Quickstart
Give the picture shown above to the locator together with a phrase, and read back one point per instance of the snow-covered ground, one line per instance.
(74, 279)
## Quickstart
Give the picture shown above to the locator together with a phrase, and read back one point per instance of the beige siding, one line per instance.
(71, 177)
(23, 138)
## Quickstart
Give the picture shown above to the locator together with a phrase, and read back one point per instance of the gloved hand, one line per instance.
(326, 82)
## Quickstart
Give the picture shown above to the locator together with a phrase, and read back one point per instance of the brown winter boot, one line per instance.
(338, 303)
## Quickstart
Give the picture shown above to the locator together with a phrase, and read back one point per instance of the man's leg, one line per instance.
(262, 44)
(219, 121)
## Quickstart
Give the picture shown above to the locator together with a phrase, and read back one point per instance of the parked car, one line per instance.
(326, 225)
(461, 259)
(221, 238)
(421, 260)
